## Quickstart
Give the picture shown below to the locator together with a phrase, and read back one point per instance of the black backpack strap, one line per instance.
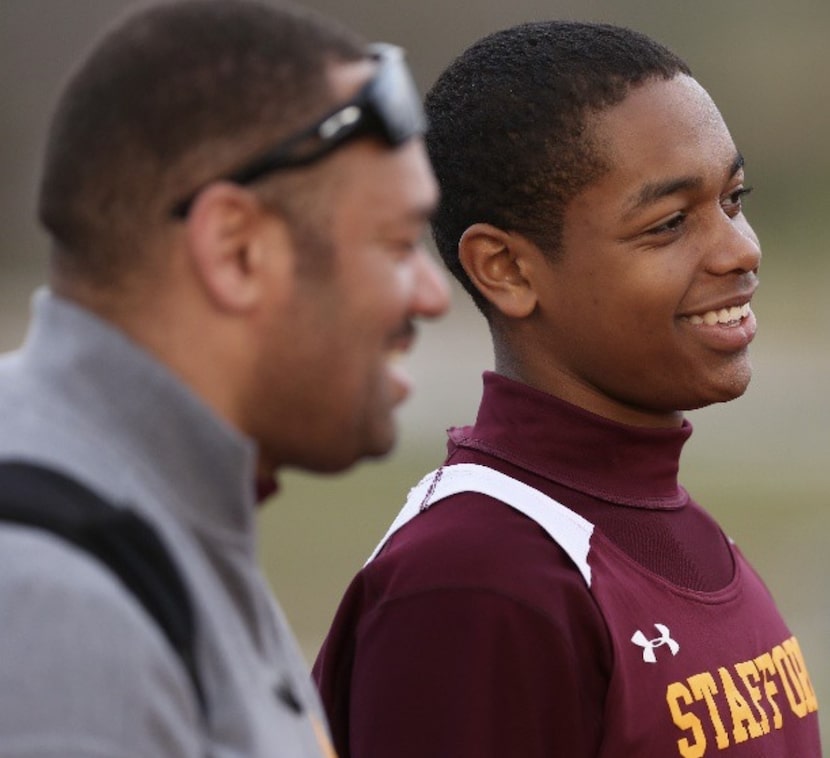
(40, 497)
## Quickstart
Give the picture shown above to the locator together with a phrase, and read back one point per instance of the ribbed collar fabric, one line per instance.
(626, 465)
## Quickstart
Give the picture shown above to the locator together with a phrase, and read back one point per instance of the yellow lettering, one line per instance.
(751, 689)
(750, 677)
(793, 650)
(705, 688)
(792, 686)
(744, 724)
(766, 668)
(696, 747)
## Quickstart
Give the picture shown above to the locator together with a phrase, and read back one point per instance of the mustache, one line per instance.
(405, 335)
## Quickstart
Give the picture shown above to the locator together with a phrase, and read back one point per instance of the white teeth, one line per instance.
(723, 316)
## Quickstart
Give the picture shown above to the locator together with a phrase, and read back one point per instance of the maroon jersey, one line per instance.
(575, 605)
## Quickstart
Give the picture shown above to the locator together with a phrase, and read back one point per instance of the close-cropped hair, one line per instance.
(173, 96)
(509, 126)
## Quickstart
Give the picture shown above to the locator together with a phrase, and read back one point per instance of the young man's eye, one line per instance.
(672, 225)
(733, 202)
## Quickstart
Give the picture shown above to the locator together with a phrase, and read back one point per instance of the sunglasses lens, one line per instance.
(395, 97)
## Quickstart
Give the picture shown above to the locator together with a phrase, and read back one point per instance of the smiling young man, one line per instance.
(552, 590)
(236, 194)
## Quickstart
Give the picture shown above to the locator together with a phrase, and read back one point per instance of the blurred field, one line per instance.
(760, 464)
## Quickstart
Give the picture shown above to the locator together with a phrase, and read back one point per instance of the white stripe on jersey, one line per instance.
(568, 529)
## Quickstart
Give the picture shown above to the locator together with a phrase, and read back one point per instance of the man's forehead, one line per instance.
(664, 132)
(676, 103)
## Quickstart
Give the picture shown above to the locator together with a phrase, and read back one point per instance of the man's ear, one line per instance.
(228, 237)
(497, 263)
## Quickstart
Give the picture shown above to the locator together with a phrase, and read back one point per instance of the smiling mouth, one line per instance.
(725, 316)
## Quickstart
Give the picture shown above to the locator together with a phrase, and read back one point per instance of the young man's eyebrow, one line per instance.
(737, 164)
(653, 191)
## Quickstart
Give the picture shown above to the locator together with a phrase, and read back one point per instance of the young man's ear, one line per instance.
(497, 264)
(231, 243)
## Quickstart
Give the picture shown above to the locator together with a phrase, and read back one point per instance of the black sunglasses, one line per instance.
(387, 107)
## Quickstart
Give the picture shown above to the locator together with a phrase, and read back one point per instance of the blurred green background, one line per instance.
(760, 464)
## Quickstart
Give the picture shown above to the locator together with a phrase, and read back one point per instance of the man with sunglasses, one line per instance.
(236, 194)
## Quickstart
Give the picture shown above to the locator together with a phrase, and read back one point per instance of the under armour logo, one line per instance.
(649, 646)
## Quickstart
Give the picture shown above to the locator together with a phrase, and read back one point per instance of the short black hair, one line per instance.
(172, 96)
(509, 133)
